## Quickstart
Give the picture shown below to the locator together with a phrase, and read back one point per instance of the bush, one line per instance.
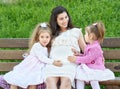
(18, 18)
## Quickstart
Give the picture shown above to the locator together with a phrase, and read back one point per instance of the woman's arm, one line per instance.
(81, 42)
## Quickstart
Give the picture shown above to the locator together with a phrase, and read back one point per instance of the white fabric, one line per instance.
(60, 50)
(30, 70)
(84, 73)
(80, 84)
(95, 84)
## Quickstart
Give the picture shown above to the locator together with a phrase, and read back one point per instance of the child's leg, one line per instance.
(32, 87)
(80, 84)
(95, 84)
(13, 87)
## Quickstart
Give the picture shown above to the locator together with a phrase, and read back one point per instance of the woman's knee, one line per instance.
(65, 83)
(32, 87)
(51, 82)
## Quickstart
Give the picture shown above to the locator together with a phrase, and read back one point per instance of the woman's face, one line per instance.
(62, 20)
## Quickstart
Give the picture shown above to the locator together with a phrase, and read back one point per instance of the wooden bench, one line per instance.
(11, 50)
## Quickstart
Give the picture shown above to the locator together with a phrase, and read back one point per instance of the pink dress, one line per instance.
(31, 70)
(92, 65)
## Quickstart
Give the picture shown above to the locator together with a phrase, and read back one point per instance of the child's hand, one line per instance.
(76, 53)
(72, 59)
(25, 55)
(57, 63)
(104, 60)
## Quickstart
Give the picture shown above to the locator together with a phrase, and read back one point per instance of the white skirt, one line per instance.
(28, 72)
(67, 70)
(84, 73)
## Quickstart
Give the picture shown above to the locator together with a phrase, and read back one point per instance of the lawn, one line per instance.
(19, 17)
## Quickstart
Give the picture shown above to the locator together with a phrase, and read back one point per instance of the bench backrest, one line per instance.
(11, 50)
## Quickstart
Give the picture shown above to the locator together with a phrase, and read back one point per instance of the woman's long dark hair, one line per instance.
(53, 20)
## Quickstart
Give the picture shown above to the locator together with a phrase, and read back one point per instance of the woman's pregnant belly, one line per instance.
(61, 53)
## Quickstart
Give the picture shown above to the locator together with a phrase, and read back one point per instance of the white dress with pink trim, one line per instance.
(30, 70)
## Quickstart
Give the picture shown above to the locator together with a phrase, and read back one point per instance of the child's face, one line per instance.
(86, 37)
(62, 20)
(44, 38)
(89, 37)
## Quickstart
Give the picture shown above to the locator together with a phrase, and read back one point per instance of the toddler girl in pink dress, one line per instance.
(92, 68)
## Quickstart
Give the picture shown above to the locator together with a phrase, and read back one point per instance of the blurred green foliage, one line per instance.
(19, 17)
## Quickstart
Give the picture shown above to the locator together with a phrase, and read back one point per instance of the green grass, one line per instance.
(19, 17)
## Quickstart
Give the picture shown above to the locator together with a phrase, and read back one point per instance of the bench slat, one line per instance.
(116, 81)
(112, 54)
(11, 54)
(112, 42)
(17, 54)
(7, 66)
(13, 42)
(114, 66)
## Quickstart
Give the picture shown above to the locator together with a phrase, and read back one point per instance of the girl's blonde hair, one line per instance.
(40, 28)
(98, 29)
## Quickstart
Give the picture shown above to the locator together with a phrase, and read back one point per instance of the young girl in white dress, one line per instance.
(30, 71)
(92, 68)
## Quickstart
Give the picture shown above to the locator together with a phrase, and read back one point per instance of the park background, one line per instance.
(19, 17)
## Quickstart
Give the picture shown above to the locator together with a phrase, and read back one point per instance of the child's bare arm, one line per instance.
(72, 59)
(76, 53)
